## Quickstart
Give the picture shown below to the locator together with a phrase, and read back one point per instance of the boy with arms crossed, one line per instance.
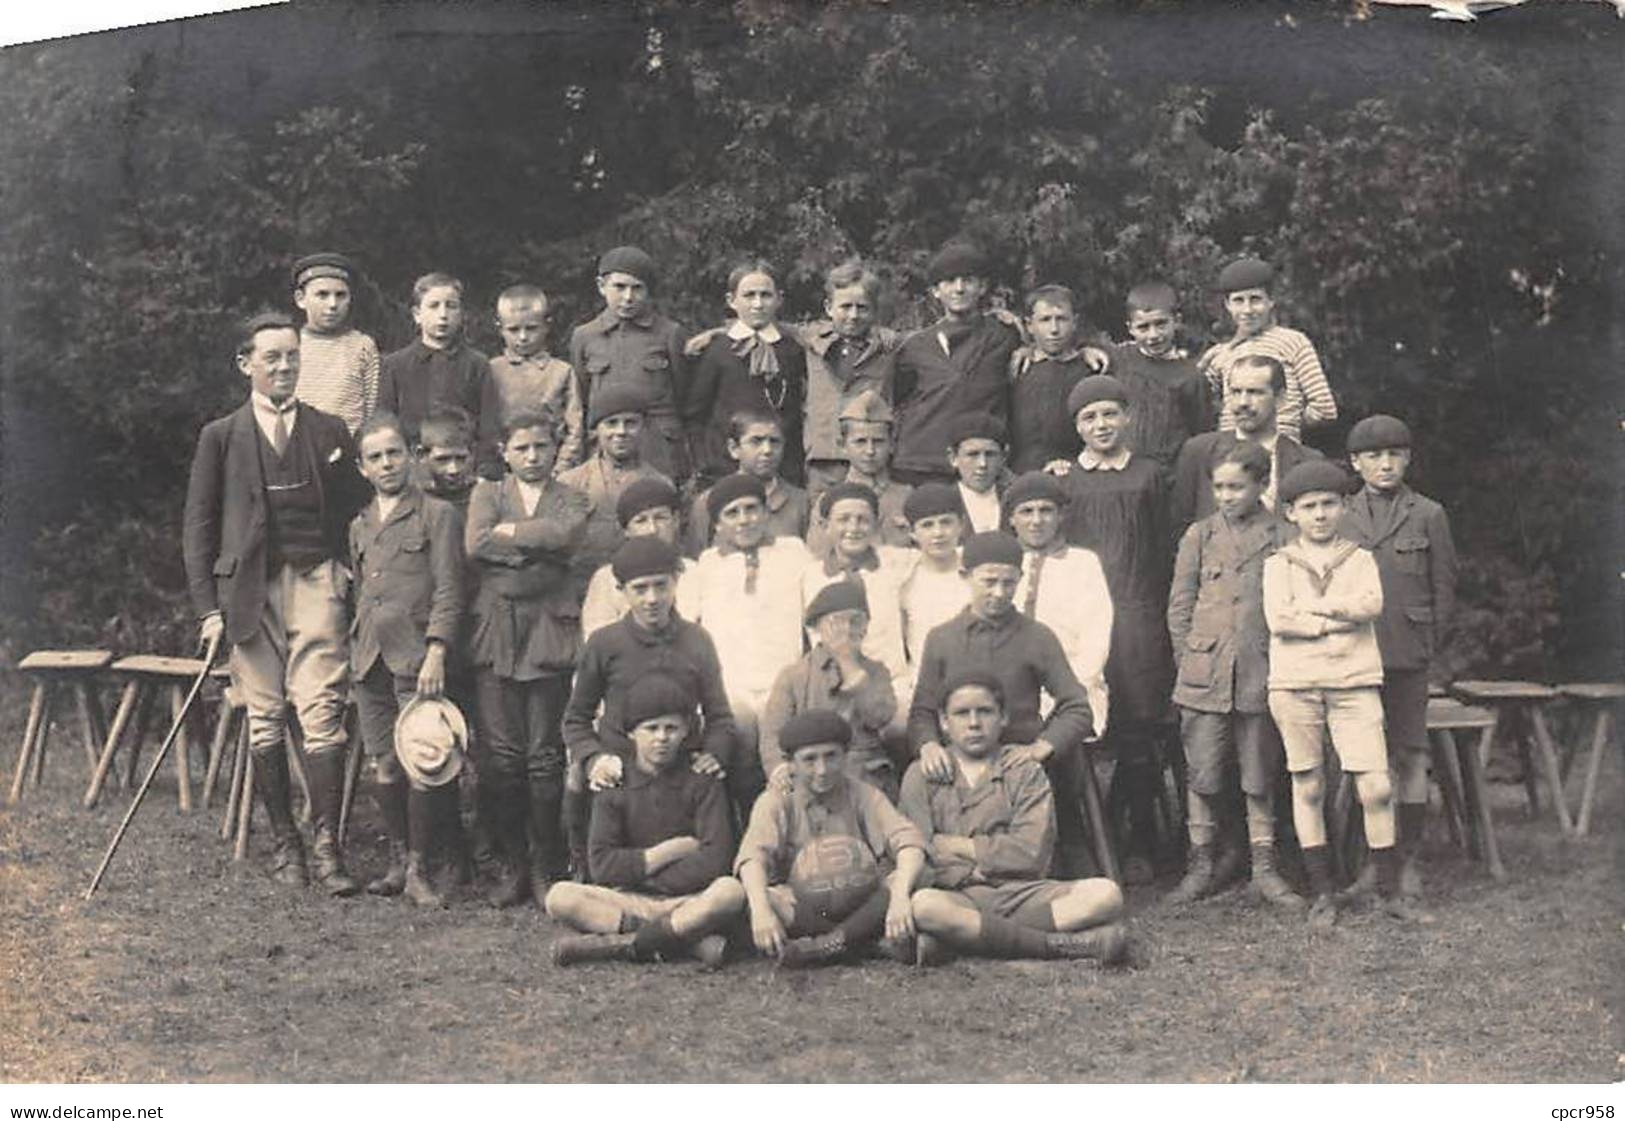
(991, 832)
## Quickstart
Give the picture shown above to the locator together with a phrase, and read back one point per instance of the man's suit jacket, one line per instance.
(1416, 558)
(1192, 496)
(224, 539)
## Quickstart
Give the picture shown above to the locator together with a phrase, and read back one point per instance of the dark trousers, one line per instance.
(520, 759)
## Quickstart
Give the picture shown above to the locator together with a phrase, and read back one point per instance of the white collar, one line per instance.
(264, 404)
(769, 334)
(1090, 460)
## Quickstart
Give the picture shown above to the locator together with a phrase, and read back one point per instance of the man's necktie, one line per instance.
(279, 432)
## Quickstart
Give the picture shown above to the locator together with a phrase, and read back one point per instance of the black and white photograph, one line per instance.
(872, 543)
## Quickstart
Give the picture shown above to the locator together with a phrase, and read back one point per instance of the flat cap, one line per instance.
(731, 488)
(1095, 387)
(645, 494)
(652, 695)
(643, 556)
(991, 547)
(614, 399)
(956, 258)
(930, 499)
(815, 725)
(1032, 486)
(323, 264)
(1377, 432)
(868, 406)
(630, 260)
(827, 500)
(1247, 272)
(842, 595)
(1312, 477)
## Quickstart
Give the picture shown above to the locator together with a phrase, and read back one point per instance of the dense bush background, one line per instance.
(1443, 201)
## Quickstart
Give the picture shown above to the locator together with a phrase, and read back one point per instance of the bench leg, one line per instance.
(1477, 793)
(183, 748)
(1548, 758)
(36, 712)
(225, 720)
(121, 720)
(239, 765)
(1601, 734)
(1447, 771)
(245, 805)
(89, 721)
(42, 738)
(143, 717)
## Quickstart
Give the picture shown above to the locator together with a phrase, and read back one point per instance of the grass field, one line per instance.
(188, 967)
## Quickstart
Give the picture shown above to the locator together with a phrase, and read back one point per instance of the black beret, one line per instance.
(731, 488)
(643, 556)
(992, 547)
(1032, 486)
(630, 260)
(645, 494)
(613, 399)
(815, 725)
(834, 494)
(975, 426)
(1377, 432)
(652, 695)
(930, 499)
(956, 258)
(323, 264)
(972, 675)
(1248, 272)
(842, 595)
(1311, 477)
(1095, 387)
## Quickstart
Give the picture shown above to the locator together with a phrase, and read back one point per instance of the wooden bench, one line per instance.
(1600, 701)
(54, 673)
(1519, 708)
(147, 678)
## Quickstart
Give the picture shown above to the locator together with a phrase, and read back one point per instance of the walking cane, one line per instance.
(157, 761)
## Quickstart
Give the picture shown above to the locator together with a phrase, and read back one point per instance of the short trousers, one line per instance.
(1354, 717)
(1405, 707)
(1024, 901)
(1216, 741)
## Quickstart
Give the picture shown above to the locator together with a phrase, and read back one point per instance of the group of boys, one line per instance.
(916, 650)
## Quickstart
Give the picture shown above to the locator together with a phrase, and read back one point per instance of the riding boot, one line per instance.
(502, 805)
(287, 852)
(421, 806)
(390, 798)
(326, 771)
(546, 837)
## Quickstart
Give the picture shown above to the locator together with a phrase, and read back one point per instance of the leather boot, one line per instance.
(545, 835)
(1267, 882)
(504, 812)
(287, 852)
(326, 769)
(579, 948)
(1231, 864)
(421, 806)
(390, 798)
(818, 949)
(1198, 879)
(1106, 944)
(419, 889)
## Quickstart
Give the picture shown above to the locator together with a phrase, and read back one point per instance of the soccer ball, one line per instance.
(831, 876)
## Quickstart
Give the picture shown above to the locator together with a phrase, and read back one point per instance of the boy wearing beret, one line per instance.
(755, 442)
(338, 365)
(616, 418)
(837, 675)
(822, 802)
(935, 590)
(1255, 390)
(1307, 401)
(406, 553)
(650, 638)
(865, 438)
(991, 634)
(1322, 598)
(647, 508)
(955, 368)
(976, 452)
(630, 344)
(659, 848)
(991, 834)
(1409, 534)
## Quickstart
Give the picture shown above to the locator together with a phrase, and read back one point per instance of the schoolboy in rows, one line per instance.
(935, 590)
(439, 369)
(865, 424)
(528, 378)
(631, 345)
(1168, 393)
(849, 357)
(338, 365)
(616, 418)
(647, 508)
(1042, 373)
(755, 444)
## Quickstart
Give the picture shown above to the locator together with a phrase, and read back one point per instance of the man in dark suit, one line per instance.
(273, 487)
(1254, 394)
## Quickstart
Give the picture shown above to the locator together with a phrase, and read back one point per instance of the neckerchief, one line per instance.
(1322, 581)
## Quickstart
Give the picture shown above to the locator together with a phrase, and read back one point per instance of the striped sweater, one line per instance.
(1308, 402)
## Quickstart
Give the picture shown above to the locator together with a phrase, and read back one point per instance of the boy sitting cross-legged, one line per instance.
(658, 848)
(823, 802)
(1322, 597)
(991, 830)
